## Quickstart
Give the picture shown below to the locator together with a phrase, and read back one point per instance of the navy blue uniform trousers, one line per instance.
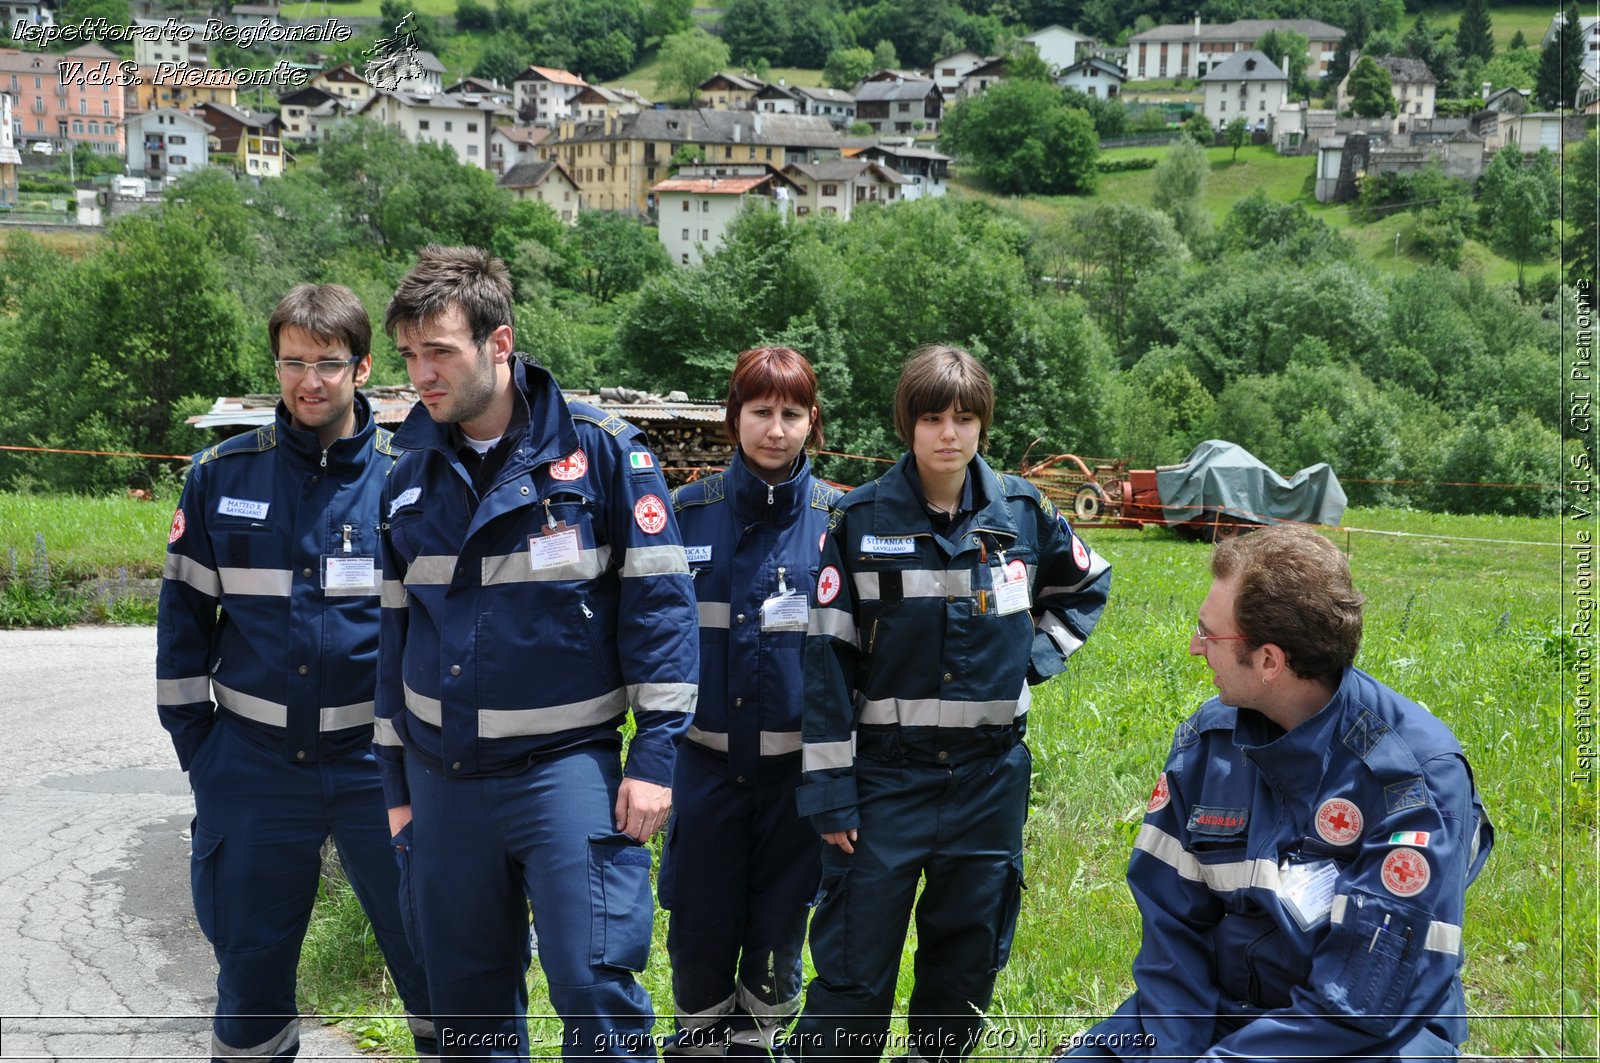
(960, 828)
(260, 823)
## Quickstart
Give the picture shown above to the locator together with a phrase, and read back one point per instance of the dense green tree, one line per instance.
(816, 30)
(605, 36)
(422, 29)
(1582, 212)
(1021, 138)
(1110, 246)
(1109, 115)
(1256, 223)
(615, 253)
(663, 18)
(1026, 64)
(686, 60)
(1281, 44)
(1475, 31)
(503, 57)
(1516, 68)
(1236, 135)
(884, 56)
(473, 16)
(1518, 40)
(1561, 63)
(1521, 222)
(1436, 48)
(756, 29)
(846, 66)
(1180, 182)
(1371, 89)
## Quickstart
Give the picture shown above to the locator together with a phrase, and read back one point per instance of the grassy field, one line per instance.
(1286, 179)
(1531, 19)
(643, 78)
(1464, 617)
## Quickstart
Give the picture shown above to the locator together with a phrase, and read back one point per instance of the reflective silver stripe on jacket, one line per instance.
(262, 582)
(820, 756)
(424, 708)
(714, 615)
(1221, 878)
(936, 712)
(835, 623)
(432, 570)
(1060, 634)
(511, 723)
(384, 733)
(773, 743)
(1441, 937)
(332, 717)
(1097, 565)
(663, 697)
(516, 568)
(393, 594)
(655, 561)
(187, 570)
(190, 688)
(917, 583)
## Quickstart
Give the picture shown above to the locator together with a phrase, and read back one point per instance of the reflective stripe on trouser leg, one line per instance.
(281, 1046)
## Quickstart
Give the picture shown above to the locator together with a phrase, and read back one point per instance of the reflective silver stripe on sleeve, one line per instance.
(918, 583)
(714, 614)
(511, 723)
(835, 623)
(431, 569)
(384, 734)
(1441, 937)
(272, 1048)
(330, 718)
(773, 743)
(516, 568)
(1221, 878)
(183, 691)
(393, 594)
(932, 712)
(663, 697)
(424, 708)
(820, 756)
(262, 582)
(655, 561)
(1097, 565)
(1060, 634)
(188, 570)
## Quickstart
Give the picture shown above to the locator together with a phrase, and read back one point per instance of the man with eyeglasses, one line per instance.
(1304, 857)
(267, 644)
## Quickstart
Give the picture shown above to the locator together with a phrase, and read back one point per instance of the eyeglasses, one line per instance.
(331, 369)
(1203, 637)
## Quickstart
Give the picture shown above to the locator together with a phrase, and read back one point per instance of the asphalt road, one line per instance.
(100, 956)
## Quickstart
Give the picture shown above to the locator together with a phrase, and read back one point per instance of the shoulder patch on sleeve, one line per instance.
(1048, 506)
(383, 443)
(700, 492)
(1017, 487)
(608, 423)
(263, 438)
(1365, 734)
(823, 496)
(1407, 793)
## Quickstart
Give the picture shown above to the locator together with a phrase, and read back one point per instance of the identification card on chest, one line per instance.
(557, 545)
(787, 610)
(1306, 890)
(347, 572)
(1011, 591)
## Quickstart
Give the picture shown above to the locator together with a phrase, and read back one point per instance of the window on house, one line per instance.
(685, 258)
(1223, 106)
(472, 127)
(705, 206)
(472, 149)
(686, 234)
(1263, 106)
(183, 160)
(705, 234)
(176, 138)
(422, 123)
(105, 107)
(830, 190)
(77, 126)
(83, 106)
(449, 127)
(94, 128)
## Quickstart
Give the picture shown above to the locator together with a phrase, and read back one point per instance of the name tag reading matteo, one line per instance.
(557, 548)
(342, 573)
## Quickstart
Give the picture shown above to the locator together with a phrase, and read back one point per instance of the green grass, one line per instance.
(1462, 623)
(1531, 19)
(86, 536)
(644, 78)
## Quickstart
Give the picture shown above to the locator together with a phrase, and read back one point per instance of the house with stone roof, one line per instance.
(1247, 85)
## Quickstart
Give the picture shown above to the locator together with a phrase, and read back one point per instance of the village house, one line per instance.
(61, 111)
(482, 89)
(924, 169)
(250, 142)
(346, 83)
(697, 205)
(723, 91)
(618, 161)
(1194, 50)
(983, 77)
(836, 105)
(544, 182)
(1058, 46)
(595, 103)
(543, 95)
(1248, 85)
(1413, 88)
(836, 186)
(948, 70)
(165, 87)
(160, 41)
(295, 107)
(166, 143)
(441, 119)
(776, 99)
(1097, 77)
(899, 105)
(513, 145)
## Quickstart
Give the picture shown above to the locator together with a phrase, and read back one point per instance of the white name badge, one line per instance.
(243, 507)
(1011, 595)
(785, 612)
(554, 551)
(404, 499)
(898, 544)
(698, 555)
(349, 574)
(1306, 890)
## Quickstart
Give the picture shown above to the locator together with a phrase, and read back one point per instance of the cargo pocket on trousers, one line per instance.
(1010, 907)
(408, 899)
(620, 903)
(204, 852)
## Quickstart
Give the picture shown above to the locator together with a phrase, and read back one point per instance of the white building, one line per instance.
(694, 211)
(513, 145)
(545, 182)
(837, 186)
(151, 48)
(1247, 85)
(1411, 83)
(1058, 46)
(166, 143)
(1094, 76)
(949, 70)
(836, 105)
(543, 95)
(1193, 50)
(10, 157)
(441, 119)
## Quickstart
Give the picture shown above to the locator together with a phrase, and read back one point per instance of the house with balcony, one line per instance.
(1193, 50)
(56, 105)
(248, 141)
(513, 145)
(345, 82)
(900, 105)
(441, 119)
(835, 187)
(836, 105)
(162, 86)
(723, 91)
(167, 143)
(543, 95)
(179, 43)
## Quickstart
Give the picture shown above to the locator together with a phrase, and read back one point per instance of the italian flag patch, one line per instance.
(638, 459)
(1415, 838)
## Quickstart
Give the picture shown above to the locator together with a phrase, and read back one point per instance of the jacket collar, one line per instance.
(756, 500)
(1296, 760)
(346, 453)
(548, 435)
(901, 509)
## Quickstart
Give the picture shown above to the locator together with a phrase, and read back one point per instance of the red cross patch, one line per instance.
(828, 584)
(1080, 556)
(571, 467)
(1338, 821)
(178, 526)
(1405, 872)
(650, 513)
(1159, 796)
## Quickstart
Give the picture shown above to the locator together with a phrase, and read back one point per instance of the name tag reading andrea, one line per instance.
(342, 573)
(557, 549)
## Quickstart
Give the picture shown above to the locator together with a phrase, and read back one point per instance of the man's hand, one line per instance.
(842, 838)
(399, 816)
(642, 808)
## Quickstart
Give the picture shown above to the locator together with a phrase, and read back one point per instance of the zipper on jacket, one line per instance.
(324, 457)
(770, 495)
(588, 614)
